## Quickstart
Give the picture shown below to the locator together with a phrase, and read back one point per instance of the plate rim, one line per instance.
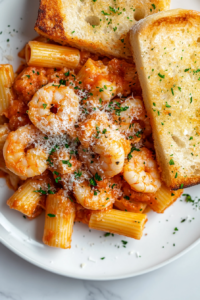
(85, 277)
(37, 262)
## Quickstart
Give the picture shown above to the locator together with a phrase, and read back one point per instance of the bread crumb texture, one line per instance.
(167, 55)
(96, 25)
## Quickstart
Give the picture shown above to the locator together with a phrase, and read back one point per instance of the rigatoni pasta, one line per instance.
(25, 199)
(130, 205)
(4, 131)
(120, 222)
(163, 198)
(51, 55)
(6, 82)
(59, 220)
(81, 137)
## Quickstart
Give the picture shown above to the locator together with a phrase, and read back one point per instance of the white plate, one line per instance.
(88, 247)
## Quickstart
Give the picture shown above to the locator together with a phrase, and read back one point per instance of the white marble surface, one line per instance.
(19, 280)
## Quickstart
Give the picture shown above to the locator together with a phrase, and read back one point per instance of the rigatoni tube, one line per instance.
(59, 220)
(6, 82)
(51, 56)
(163, 198)
(4, 131)
(130, 205)
(25, 199)
(119, 222)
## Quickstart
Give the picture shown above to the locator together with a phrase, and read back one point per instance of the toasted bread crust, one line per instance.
(184, 171)
(183, 18)
(56, 22)
(50, 20)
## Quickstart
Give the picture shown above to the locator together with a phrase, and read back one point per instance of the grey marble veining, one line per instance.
(9, 296)
(19, 280)
(98, 292)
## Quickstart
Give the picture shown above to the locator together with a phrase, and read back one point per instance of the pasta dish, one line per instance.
(76, 142)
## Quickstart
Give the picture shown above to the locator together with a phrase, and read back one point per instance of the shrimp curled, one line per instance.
(106, 144)
(141, 172)
(22, 162)
(62, 100)
(91, 194)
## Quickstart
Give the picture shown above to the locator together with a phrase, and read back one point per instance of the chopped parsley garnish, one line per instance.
(41, 191)
(176, 175)
(57, 179)
(127, 197)
(62, 81)
(92, 182)
(97, 177)
(172, 91)
(153, 5)
(124, 243)
(102, 258)
(77, 174)
(190, 100)
(104, 131)
(167, 105)
(120, 109)
(44, 105)
(161, 76)
(112, 9)
(67, 73)
(53, 149)
(138, 133)
(107, 234)
(28, 76)
(104, 13)
(67, 162)
(51, 215)
(171, 162)
(175, 229)
(188, 198)
(132, 149)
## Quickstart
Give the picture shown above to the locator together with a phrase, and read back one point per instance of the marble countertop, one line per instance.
(19, 280)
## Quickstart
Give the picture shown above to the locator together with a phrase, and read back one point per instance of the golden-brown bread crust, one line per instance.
(53, 22)
(181, 27)
(183, 18)
(50, 20)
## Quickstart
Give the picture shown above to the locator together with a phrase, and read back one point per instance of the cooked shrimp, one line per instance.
(106, 145)
(63, 162)
(101, 93)
(62, 100)
(28, 82)
(141, 172)
(93, 193)
(21, 161)
(130, 117)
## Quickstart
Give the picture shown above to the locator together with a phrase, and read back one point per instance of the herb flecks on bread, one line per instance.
(166, 49)
(99, 26)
